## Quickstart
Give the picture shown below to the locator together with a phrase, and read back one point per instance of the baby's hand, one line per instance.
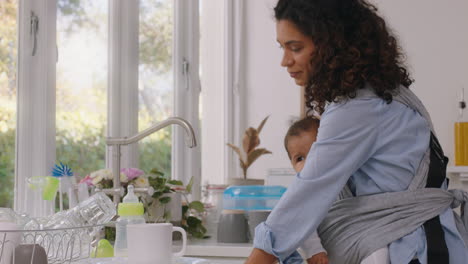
(319, 258)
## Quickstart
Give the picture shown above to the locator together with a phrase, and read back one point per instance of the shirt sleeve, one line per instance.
(346, 140)
(312, 245)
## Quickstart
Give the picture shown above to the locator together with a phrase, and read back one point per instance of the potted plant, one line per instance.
(248, 154)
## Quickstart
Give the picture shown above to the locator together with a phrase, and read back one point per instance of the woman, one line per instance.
(375, 147)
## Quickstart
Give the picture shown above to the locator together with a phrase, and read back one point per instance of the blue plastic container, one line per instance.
(252, 197)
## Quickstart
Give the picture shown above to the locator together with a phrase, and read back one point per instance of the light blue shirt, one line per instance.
(373, 146)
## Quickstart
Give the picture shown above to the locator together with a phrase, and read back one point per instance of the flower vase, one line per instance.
(173, 209)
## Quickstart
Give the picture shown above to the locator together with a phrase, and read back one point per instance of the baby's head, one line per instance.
(298, 140)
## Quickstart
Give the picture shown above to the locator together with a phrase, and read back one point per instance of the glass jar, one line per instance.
(97, 209)
(213, 203)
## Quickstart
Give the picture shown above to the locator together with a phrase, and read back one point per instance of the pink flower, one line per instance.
(88, 180)
(132, 173)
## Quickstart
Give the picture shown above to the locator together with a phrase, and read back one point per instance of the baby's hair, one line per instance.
(306, 124)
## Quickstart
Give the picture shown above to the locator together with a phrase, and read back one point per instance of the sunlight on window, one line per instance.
(8, 62)
(82, 38)
(155, 84)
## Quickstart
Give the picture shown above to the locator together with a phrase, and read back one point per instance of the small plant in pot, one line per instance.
(171, 195)
(249, 153)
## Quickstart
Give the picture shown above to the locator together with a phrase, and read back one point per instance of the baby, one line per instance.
(298, 141)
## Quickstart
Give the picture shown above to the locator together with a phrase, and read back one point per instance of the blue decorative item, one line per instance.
(252, 197)
(61, 170)
(65, 175)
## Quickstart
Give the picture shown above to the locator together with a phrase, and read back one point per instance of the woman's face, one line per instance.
(297, 51)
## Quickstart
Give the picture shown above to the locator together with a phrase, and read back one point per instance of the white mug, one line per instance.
(152, 243)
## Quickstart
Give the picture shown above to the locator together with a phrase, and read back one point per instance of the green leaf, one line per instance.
(198, 234)
(167, 216)
(176, 182)
(198, 206)
(167, 189)
(202, 228)
(165, 200)
(155, 171)
(184, 209)
(193, 221)
(156, 195)
(157, 183)
(192, 229)
(189, 186)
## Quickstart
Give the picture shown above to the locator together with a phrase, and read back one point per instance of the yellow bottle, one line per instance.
(461, 135)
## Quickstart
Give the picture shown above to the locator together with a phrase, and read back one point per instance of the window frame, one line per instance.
(35, 130)
(224, 79)
(36, 111)
(186, 163)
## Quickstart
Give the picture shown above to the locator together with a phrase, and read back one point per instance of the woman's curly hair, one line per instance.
(353, 46)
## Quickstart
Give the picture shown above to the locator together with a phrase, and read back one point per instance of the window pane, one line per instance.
(82, 35)
(8, 62)
(155, 84)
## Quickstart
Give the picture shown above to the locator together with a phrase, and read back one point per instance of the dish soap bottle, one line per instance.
(461, 134)
(130, 211)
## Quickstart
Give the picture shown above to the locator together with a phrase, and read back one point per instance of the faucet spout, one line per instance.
(117, 142)
(190, 139)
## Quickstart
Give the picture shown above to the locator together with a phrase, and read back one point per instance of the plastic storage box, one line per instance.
(252, 197)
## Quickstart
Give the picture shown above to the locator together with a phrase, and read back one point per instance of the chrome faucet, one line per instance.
(116, 143)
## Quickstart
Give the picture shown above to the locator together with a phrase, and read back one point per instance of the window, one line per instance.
(8, 63)
(81, 84)
(102, 68)
(155, 81)
(222, 56)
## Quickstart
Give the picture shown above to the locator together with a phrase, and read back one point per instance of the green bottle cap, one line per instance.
(130, 205)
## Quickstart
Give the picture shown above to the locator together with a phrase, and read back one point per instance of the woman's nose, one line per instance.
(286, 61)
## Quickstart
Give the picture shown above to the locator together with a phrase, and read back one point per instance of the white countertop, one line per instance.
(185, 260)
(211, 248)
(196, 251)
(219, 260)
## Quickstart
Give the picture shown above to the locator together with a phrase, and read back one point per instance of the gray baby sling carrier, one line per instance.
(355, 227)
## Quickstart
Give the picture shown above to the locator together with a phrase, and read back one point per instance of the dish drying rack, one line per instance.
(62, 245)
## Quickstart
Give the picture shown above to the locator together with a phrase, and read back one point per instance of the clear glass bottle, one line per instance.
(97, 209)
(130, 212)
(461, 134)
(213, 202)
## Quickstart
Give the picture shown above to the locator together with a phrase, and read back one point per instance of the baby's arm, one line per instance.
(319, 258)
(314, 251)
